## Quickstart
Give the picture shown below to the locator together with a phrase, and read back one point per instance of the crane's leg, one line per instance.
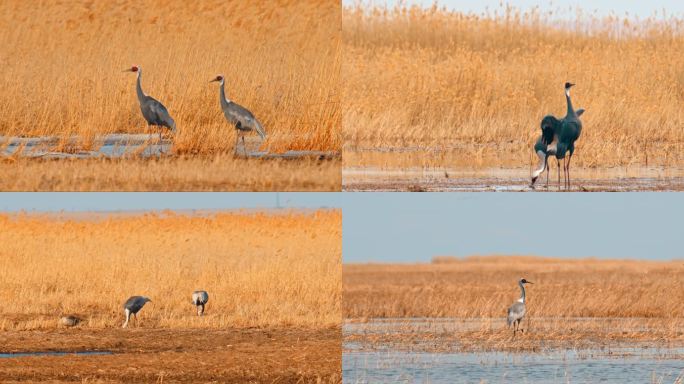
(128, 316)
(569, 158)
(237, 140)
(244, 146)
(559, 172)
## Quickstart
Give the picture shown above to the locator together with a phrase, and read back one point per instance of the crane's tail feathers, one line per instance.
(579, 112)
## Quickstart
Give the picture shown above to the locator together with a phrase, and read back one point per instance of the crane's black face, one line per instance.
(218, 78)
(526, 282)
(569, 85)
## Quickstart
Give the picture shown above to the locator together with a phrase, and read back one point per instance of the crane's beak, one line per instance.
(529, 282)
(213, 81)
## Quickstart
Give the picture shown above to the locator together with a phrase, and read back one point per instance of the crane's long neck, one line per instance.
(222, 91)
(571, 110)
(522, 293)
(138, 88)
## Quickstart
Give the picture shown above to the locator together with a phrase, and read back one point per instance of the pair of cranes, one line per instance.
(558, 139)
(135, 303)
(156, 114)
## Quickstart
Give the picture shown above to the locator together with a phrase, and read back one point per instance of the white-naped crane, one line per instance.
(516, 312)
(558, 139)
(154, 112)
(240, 117)
(199, 299)
(132, 306)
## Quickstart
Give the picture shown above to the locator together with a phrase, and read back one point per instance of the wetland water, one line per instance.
(379, 352)
(126, 145)
(617, 366)
(510, 179)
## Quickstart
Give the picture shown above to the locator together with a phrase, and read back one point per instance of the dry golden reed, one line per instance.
(260, 268)
(220, 172)
(63, 60)
(484, 287)
(470, 90)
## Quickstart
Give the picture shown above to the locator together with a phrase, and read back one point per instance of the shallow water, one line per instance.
(138, 145)
(53, 353)
(511, 179)
(630, 366)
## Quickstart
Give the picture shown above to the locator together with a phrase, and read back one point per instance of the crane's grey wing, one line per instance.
(515, 312)
(200, 297)
(549, 127)
(237, 113)
(161, 114)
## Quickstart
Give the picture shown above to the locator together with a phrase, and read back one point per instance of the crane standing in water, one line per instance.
(516, 312)
(153, 111)
(239, 116)
(558, 138)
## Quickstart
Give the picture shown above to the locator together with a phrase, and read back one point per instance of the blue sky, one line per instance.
(641, 8)
(410, 227)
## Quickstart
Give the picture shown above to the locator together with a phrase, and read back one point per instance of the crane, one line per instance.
(238, 116)
(558, 138)
(516, 312)
(200, 298)
(546, 146)
(132, 306)
(154, 112)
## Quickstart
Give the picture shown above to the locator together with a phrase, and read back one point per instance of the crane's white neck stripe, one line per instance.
(567, 92)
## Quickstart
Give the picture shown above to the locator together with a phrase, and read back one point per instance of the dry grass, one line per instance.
(572, 304)
(62, 64)
(184, 173)
(62, 75)
(485, 287)
(473, 89)
(260, 269)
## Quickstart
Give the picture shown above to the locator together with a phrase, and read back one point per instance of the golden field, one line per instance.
(434, 88)
(482, 287)
(261, 269)
(220, 172)
(579, 303)
(63, 61)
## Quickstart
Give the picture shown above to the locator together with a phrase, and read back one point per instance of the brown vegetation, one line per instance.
(261, 269)
(184, 173)
(469, 91)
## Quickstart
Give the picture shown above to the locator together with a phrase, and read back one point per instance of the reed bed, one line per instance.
(220, 172)
(484, 287)
(472, 89)
(62, 69)
(261, 269)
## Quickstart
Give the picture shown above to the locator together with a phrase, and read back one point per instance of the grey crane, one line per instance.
(516, 312)
(132, 306)
(558, 138)
(546, 146)
(239, 116)
(200, 298)
(153, 111)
